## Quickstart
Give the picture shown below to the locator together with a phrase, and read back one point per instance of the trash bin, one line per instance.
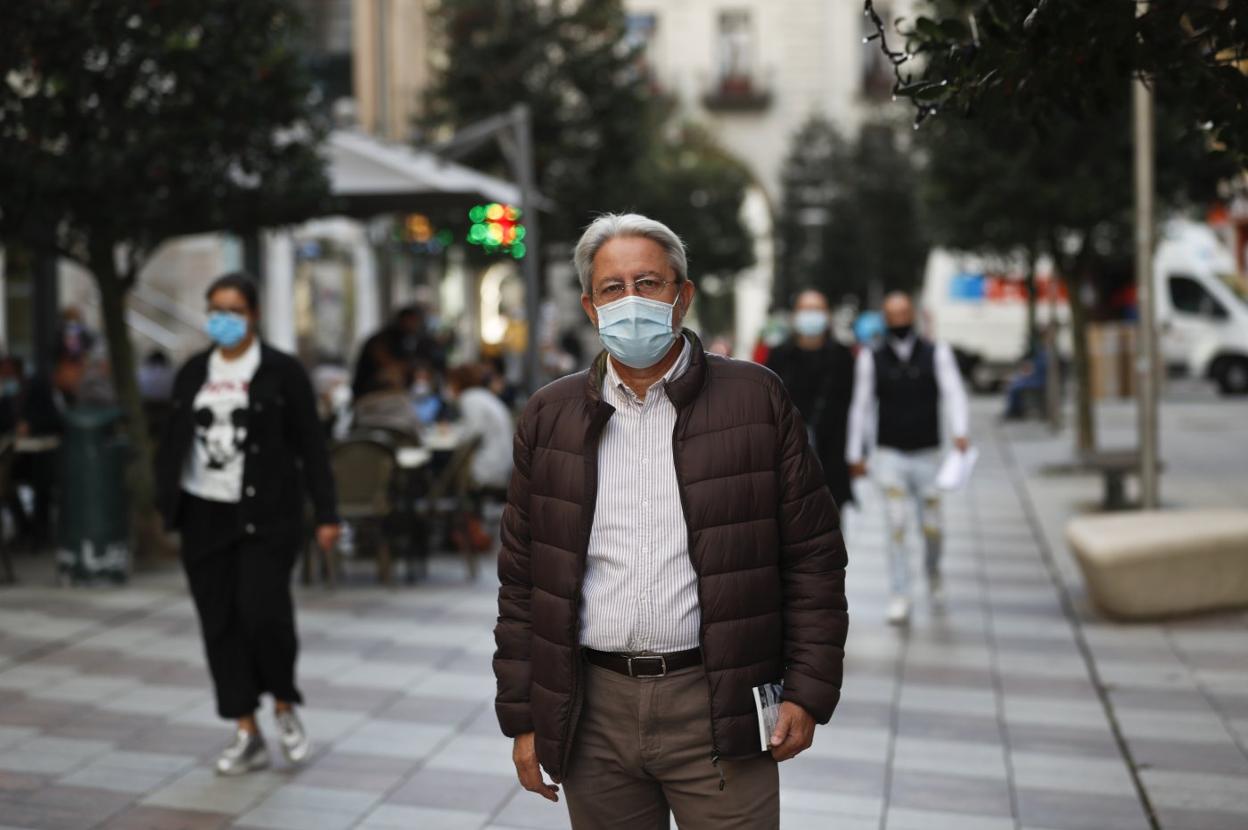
(93, 538)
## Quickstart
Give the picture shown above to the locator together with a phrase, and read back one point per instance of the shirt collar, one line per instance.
(903, 348)
(677, 369)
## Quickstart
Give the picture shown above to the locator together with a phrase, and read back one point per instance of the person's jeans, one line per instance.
(908, 482)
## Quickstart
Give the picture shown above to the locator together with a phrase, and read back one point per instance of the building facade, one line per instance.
(754, 71)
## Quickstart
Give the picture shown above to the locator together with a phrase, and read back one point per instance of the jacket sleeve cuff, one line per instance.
(514, 718)
(818, 698)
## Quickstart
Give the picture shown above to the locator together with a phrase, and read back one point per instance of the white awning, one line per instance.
(369, 176)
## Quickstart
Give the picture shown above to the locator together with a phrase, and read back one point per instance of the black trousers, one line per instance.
(241, 588)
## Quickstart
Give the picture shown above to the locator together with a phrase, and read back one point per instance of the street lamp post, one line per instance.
(1145, 361)
(513, 130)
(526, 176)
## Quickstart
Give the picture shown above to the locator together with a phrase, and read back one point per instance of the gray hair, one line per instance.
(611, 225)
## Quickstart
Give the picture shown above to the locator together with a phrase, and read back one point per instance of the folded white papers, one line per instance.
(955, 470)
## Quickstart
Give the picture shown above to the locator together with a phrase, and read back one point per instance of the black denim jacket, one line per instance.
(285, 446)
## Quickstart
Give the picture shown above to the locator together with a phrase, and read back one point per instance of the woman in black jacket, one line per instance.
(242, 435)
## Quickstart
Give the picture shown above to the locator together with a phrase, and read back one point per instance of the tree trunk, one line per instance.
(149, 543)
(1085, 421)
(1033, 335)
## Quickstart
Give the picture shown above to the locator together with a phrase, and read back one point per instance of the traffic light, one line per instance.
(497, 227)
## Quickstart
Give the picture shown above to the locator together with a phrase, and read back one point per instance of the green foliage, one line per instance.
(590, 102)
(1043, 60)
(694, 186)
(601, 136)
(133, 121)
(849, 220)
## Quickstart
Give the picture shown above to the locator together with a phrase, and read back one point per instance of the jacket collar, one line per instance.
(681, 390)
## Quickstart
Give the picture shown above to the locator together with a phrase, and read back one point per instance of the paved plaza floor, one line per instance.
(1011, 706)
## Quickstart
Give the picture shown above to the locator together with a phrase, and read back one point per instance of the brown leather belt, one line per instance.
(644, 665)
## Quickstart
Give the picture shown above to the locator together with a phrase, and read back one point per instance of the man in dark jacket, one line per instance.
(819, 373)
(669, 547)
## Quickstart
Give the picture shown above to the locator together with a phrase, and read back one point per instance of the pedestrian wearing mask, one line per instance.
(819, 373)
(907, 384)
(668, 546)
(242, 437)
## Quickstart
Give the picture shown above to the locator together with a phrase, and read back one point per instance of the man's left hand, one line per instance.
(795, 730)
(962, 443)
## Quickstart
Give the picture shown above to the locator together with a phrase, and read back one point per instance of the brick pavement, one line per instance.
(983, 716)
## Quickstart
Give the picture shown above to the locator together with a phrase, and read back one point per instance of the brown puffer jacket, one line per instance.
(764, 537)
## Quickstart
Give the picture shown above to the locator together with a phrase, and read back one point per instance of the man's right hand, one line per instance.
(858, 469)
(529, 771)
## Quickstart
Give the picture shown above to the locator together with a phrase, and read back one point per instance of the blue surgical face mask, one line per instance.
(226, 328)
(810, 322)
(636, 331)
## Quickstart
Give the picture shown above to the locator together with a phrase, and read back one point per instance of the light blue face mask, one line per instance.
(636, 331)
(810, 322)
(226, 328)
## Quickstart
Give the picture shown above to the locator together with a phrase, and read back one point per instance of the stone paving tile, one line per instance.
(927, 790)
(159, 818)
(1062, 810)
(397, 817)
(449, 789)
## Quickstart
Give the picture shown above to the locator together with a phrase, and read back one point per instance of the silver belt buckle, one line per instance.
(662, 665)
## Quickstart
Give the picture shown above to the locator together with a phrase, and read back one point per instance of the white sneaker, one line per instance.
(246, 754)
(293, 737)
(899, 610)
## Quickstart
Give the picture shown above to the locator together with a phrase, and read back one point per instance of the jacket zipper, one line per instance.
(681, 419)
(574, 714)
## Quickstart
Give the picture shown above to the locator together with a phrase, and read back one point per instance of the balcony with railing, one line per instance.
(738, 91)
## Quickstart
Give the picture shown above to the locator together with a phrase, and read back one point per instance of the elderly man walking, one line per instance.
(668, 546)
(908, 382)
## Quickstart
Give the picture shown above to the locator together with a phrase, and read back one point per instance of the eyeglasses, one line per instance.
(648, 287)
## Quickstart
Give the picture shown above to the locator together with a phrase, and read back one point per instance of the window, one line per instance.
(1190, 297)
(639, 31)
(736, 48)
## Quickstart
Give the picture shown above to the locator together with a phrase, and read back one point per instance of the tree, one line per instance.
(591, 104)
(604, 139)
(849, 219)
(1001, 181)
(126, 123)
(1040, 60)
(690, 183)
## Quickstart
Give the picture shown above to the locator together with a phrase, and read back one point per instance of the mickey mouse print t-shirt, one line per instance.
(214, 468)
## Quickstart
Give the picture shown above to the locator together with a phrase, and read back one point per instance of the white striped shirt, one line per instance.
(641, 592)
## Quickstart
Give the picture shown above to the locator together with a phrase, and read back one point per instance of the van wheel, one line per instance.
(1232, 376)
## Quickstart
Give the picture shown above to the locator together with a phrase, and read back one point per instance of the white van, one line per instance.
(1202, 307)
(979, 306)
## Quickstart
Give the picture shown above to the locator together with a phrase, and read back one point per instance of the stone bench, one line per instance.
(1161, 563)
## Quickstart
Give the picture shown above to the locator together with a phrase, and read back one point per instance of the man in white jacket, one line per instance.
(908, 382)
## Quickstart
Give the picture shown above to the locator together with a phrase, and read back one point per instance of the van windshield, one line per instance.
(1238, 283)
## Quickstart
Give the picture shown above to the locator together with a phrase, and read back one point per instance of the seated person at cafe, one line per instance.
(385, 404)
(481, 415)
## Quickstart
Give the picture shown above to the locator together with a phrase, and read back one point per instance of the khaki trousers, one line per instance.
(642, 751)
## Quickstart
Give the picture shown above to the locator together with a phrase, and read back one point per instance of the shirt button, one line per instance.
(251, 529)
(251, 491)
